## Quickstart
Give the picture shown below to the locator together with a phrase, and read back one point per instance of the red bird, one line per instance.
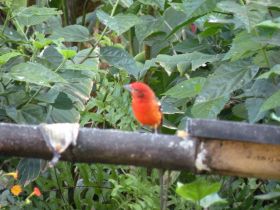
(145, 106)
(146, 109)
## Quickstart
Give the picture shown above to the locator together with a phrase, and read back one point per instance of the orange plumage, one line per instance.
(145, 106)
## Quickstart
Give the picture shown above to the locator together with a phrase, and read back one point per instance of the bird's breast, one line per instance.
(147, 113)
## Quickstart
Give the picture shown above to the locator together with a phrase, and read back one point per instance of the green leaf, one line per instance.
(79, 86)
(126, 3)
(196, 59)
(261, 88)
(33, 15)
(34, 73)
(29, 169)
(67, 54)
(270, 58)
(272, 102)
(64, 116)
(275, 117)
(240, 111)
(49, 96)
(250, 15)
(91, 61)
(212, 199)
(190, 45)
(274, 24)
(197, 190)
(119, 23)
(226, 79)
(274, 70)
(120, 59)
(253, 106)
(243, 46)
(168, 106)
(159, 3)
(53, 57)
(186, 89)
(209, 109)
(28, 114)
(16, 4)
(270, 3)
(218, 86)
(194, 8)
(5, 57)
(172, 18)
(268, 196)
(62, 101)
(147, 26)
(71, 33)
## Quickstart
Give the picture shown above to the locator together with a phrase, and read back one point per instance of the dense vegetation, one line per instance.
(204, 58)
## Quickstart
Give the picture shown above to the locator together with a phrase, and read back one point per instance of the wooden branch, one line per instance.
(197, 154)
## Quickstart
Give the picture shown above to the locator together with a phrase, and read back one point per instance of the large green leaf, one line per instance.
(209, 109)
(52, 56)
(159, 3)
(271, 24)
(28, 114)
(253, 106)
(172, 18)
(34, 73)
(147, 25)
(217, 88)
(249, 15)
(120, 59)
(64, 116)
(261, 88)
(196, 59)
(266, 58)
(194, 8)
(243, 46)
(268, 196)
(72, 33)
(273, 71)
(197, 190)
(5, 57)
(119, 23)
(272, 102)
(34, 15)
(190, 45)
(212, 199)
(226, 79)
(268, 3)
(79, 86)
(186, 89)
(29, 169)
(126, 3)
(90, 60)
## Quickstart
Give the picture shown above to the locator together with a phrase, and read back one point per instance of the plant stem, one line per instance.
(6, 21)
(65, 12)
(102, 34)
(31, 98)
(60, 65)
(84, 12)
(59, 187)
(130, 38)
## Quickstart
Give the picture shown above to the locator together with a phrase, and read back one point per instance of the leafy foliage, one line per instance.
(204, 59)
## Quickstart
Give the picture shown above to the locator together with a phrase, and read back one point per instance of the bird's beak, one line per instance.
(128, 87)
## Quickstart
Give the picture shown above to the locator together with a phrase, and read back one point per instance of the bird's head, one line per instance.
(140, 91)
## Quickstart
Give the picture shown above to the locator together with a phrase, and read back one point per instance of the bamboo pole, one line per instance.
(197, 154)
